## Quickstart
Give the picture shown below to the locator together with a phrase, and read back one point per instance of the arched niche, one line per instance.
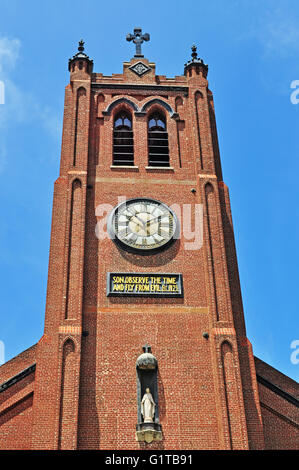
(148, 427)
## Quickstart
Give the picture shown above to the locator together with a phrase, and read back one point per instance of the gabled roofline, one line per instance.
(16, 378)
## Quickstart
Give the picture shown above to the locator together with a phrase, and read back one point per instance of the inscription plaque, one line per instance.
(149, 284)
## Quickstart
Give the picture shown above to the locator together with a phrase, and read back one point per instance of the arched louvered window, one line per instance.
(123, 143)
(158, 152)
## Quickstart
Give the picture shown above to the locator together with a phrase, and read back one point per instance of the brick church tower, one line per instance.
(144, 345)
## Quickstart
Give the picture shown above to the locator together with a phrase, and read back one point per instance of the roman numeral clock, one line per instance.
(144, 226)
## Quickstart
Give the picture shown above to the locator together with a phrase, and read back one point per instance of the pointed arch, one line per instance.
(212, 232)
(232, 399)
(198, 98)
(74, 239)
(117, 102)
(162, 103)
(79, 122)
(66, 421)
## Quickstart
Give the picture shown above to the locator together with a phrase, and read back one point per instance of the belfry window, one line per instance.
(123, 143)
(158, 152)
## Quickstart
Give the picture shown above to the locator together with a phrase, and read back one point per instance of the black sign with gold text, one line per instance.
(151, 285)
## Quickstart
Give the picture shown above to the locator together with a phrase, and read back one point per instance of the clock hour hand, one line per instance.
(148, 231)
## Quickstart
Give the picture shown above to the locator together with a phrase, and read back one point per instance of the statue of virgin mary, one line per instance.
(148, 407)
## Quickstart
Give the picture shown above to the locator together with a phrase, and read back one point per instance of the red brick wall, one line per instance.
(16, 425)
(108, 405)
(16, 412)
(280, 416)
(18, 363)
(280, 432)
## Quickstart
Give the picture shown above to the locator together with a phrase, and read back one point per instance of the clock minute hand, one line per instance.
(140, 220)
(152, 220)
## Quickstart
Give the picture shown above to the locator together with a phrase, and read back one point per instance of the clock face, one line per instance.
(143, 225)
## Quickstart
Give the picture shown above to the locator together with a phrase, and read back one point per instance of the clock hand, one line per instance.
(140, 220)
(152, 220)
(137, 225)
(143, 223)
(140, 227)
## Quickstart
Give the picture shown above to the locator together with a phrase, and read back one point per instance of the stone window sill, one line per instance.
(124, 167)
(164, 168)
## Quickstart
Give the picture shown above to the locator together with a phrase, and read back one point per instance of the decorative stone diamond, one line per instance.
(140, 68)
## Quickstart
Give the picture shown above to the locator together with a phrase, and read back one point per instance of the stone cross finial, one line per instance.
(138, 39)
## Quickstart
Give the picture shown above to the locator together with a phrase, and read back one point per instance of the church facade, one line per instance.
(144, 345)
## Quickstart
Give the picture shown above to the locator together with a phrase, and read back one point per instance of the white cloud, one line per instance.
(9, 53)
(20, 106)
(278, 32)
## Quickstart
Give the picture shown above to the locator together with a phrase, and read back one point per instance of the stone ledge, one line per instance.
(126, 167)
(158, 168)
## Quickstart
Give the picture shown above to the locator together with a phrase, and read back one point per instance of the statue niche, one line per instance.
(148, 428)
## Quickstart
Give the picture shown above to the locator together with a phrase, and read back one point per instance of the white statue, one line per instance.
(148, 407)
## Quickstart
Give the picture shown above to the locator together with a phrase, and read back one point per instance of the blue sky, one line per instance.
(252, 48)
